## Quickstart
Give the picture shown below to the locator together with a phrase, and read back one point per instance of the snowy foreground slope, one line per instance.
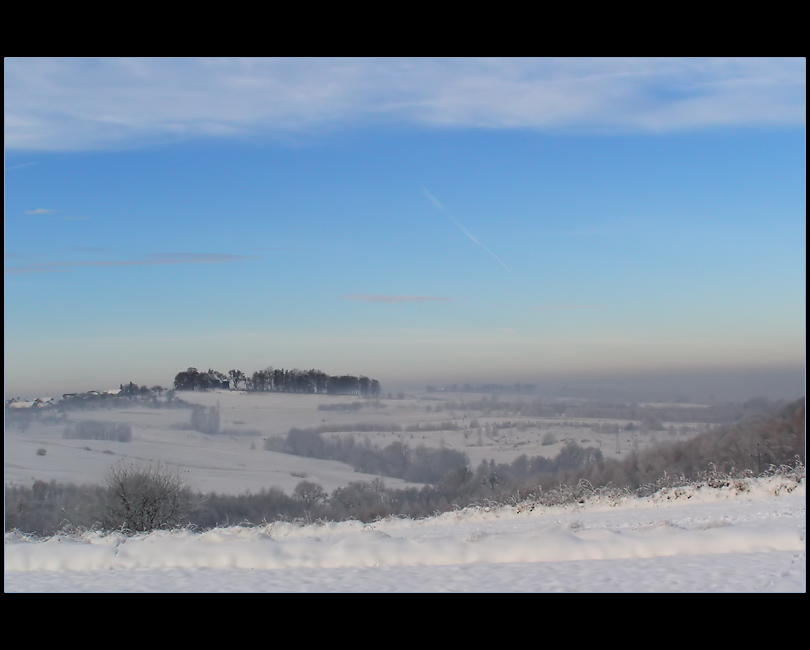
(685, 540)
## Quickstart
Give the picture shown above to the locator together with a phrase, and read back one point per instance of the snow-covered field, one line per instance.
(692, 540)
(235, 462)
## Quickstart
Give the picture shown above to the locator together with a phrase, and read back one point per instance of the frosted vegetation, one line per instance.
(716, 534)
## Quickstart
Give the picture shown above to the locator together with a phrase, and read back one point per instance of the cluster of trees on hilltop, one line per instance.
(193, 379)
(279, 380)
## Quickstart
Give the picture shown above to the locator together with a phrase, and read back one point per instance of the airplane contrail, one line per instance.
(472, 237)
(432, 199)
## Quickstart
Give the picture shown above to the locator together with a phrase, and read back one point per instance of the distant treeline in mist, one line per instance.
(279, 380)
(595, 409)
(483, 388)
(750, 446)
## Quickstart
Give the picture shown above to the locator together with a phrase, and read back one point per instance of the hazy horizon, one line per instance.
(631, 224)
(683, 385)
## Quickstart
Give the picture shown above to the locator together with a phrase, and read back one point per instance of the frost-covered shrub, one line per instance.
(142, 498)
(668, 487)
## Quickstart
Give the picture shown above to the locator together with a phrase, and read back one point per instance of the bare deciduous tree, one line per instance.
(144, 498)
(310, 495)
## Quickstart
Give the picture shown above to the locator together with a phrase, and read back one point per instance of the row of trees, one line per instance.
(396, 460)
(94, 430)
(279, 380)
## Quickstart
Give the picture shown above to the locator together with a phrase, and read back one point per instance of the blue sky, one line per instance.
(415, 220)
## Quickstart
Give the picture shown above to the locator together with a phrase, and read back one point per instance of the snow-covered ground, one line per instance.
(690, 540)
(235, 461)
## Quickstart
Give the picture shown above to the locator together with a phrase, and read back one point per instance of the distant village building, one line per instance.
(216, 380)
(39, 402)
(17, 403)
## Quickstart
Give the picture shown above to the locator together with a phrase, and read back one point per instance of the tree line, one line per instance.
(279, 380)
(396, 460)
(494, 405)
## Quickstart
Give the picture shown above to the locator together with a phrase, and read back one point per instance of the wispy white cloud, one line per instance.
(91, 103)
(28, 164)
(151, 260)
(367, 297)
(42, 211)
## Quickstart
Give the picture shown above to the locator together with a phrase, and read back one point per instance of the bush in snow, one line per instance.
(145, 498)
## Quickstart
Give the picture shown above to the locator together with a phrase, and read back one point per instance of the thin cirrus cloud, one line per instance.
(21, 165)
(43, 211)
(367, 297)
(151, 260)
(55, 104)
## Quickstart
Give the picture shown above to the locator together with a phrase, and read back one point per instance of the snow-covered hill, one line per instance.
(694, 539)
(236, 462)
